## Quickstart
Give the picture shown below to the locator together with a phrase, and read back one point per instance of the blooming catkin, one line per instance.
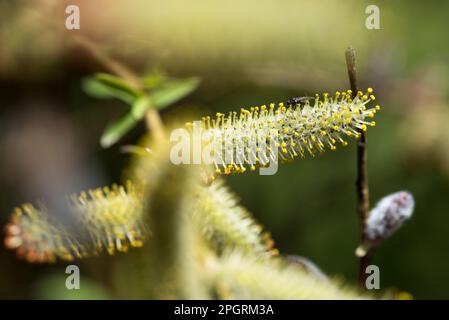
(243, 276)
(229, 225)
(259, 135)
(103, 219)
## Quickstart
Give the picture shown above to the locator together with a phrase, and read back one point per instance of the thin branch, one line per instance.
(105, 61)
(362, 174)
(152, 118)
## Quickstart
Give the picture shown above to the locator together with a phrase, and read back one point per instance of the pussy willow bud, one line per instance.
(387, 216)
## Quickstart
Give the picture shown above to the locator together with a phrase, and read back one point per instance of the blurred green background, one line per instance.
(246, 53)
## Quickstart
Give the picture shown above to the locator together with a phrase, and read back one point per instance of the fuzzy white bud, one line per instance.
(385, 218)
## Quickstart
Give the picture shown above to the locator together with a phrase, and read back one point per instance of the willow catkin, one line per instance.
(227, 224)
(104, 219)
(258, 135)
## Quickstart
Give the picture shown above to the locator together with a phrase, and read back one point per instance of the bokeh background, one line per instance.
(246, 53)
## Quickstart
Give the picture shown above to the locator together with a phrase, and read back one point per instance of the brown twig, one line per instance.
(362, 174)
(152, 117)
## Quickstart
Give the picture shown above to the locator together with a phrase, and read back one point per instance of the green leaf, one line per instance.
(163, 96)
(172, 91)
(106, 86)
(117, 129)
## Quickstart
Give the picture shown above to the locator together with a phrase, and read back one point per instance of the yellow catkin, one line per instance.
(294, 130)
(104, 219)
(227, 224)
(242, 276)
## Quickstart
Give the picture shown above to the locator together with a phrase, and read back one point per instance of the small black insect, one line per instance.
(298, 100)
